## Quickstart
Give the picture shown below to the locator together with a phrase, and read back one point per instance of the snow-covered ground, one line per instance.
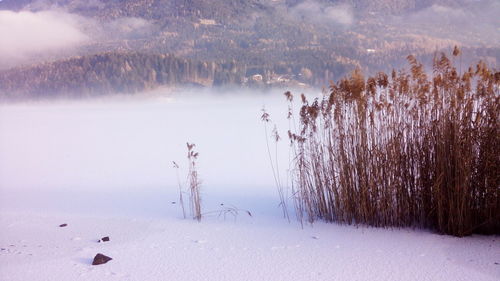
(104, 169)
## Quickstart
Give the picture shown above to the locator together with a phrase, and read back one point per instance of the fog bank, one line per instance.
(323, 13)
(27, 33)
(28, 36)
(129, 145)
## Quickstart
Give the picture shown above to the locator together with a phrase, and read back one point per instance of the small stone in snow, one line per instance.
(315, 237)
(63, 225)
(497, 263)
(100, 259)
(104, 239)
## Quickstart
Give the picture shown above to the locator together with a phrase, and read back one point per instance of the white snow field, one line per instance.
(104, 168)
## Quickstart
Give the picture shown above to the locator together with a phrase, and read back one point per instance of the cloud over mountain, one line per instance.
(29, 33)
(323, 13)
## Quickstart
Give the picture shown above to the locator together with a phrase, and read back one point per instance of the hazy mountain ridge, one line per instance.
(147, 9)
(154, 9)
(325, 38)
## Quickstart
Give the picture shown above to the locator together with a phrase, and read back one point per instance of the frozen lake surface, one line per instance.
(104, 167)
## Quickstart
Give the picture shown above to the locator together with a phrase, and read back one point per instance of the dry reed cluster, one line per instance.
(194, 186)
(402, 150)
(194, 183)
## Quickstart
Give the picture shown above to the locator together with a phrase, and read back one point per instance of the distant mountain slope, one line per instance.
(325, 38)
(221, 9)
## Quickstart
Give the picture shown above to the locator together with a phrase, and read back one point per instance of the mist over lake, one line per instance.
(127, 144)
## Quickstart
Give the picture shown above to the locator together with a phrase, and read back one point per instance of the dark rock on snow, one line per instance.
(100, 259)
(104, 239)
(63, 225)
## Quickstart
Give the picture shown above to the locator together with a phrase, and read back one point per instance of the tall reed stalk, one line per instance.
(181, 198)
(275, 164)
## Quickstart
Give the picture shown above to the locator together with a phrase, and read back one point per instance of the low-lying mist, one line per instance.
(128, 144)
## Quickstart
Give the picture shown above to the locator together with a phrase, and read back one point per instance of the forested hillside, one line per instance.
(111, 73)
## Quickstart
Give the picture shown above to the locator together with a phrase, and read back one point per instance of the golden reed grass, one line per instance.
(402, 150)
